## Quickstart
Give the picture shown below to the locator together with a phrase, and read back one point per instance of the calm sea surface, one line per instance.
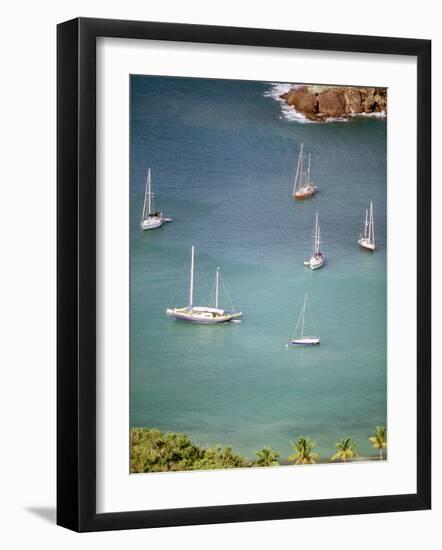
(223, 158)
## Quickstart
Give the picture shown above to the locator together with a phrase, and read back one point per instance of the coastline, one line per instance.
(152, 450)
(322, 104)
(359, 459)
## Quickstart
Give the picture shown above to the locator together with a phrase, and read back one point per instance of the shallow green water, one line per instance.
(223, 160)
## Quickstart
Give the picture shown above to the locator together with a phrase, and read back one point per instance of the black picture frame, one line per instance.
(76, 274)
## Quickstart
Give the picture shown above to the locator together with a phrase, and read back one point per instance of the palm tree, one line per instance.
(304, 451)
(346, 449)
(379, 439)
(266, 457)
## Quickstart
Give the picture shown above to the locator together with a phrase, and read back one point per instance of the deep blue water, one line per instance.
(223, 159)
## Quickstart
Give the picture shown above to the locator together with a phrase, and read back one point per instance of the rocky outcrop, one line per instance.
(320, 103)
(332, 103)
(302, 100)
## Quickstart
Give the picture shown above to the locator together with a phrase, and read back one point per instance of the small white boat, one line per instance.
(149, 218)
(366, 239)
(303, 188)
(299, 339)
(317, 258)
(206, 315)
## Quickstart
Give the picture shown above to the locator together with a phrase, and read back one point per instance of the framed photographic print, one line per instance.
(243, 274)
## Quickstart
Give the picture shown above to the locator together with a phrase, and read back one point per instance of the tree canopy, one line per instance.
(155, 451)
(379, 439)
(304, 451)
(346, 449)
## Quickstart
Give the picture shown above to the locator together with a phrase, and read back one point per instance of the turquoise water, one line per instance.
(223, 158)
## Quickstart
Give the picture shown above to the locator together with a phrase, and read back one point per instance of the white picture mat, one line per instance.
(116, 489)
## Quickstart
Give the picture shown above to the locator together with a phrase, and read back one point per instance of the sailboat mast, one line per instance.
(308, 170)
(216, 287)
(143, 216)
(149, 194)
(301, 167)
(317, 234)
(298, 169)
(303, 315)
(369, 224)
(366, 223)
(192, 262)
(372, 222)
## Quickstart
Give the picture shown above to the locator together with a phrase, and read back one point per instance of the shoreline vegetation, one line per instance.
(322, 103)
(152, 450)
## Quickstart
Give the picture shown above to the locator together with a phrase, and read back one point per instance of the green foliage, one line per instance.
(379, 439)
(155, 451)
(266, 457)
(304, 451)
(219, 458)
(346, 449)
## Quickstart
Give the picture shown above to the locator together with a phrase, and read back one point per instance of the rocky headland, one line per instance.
(319, 103)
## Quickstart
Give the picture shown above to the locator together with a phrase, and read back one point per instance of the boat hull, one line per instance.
(152, 222)
(304, 193)
(366, 244)
(315, 263)
(303, 342)
(203, 316)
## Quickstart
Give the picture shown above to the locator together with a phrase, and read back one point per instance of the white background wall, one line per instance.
(27, 272)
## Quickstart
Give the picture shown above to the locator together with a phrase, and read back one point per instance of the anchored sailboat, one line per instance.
(366, 239)
(299, 339)
(203, 314)
(317, 258)
(303, 188)
(149, 218)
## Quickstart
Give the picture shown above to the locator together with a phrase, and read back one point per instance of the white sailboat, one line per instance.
(303, 187)
(203, 314)
(299, 338)
(149, 218)
(317, 258)
(366, 239)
